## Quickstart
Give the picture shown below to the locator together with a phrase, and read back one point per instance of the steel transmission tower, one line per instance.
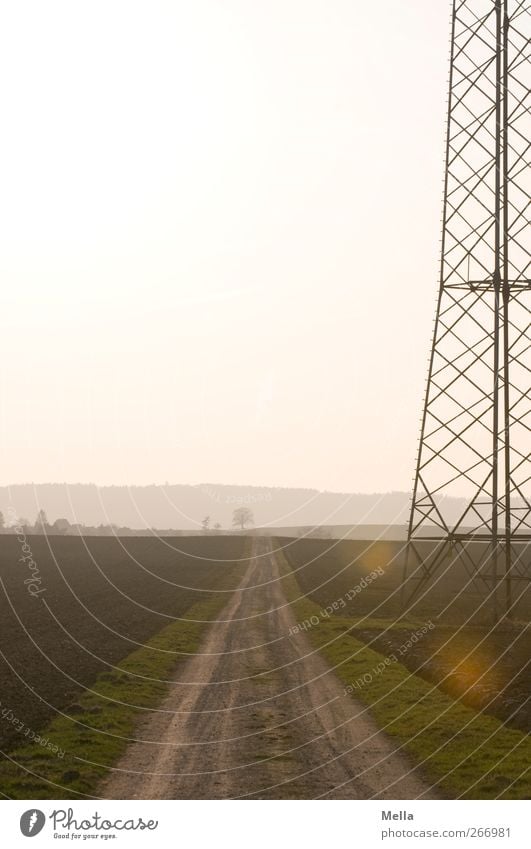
(472, 490)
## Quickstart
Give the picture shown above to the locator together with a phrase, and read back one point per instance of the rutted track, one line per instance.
(258, 714)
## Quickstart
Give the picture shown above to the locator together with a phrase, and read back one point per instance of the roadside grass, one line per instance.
(97, 728)
(462, 753)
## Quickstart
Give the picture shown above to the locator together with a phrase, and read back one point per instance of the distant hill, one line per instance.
(355, 531)
(182, 506)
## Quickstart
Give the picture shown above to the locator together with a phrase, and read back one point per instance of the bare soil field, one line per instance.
(485, 666)
(99, 599)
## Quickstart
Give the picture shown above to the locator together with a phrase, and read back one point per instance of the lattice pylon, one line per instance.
(472, 489)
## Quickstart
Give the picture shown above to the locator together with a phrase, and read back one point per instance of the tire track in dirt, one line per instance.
(264, 718)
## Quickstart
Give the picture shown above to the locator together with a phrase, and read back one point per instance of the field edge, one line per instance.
(97, 727)
(452, 743)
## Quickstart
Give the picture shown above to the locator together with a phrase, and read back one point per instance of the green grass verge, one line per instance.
(468, 755)
(96, 730)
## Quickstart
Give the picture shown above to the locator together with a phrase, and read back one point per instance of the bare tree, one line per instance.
(41, 523)
(217, 526)
(205, 524)
(241, 517)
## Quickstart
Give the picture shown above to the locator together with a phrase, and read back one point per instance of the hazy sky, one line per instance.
(219, 238)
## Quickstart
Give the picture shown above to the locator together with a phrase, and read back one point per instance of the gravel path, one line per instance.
(258, 714)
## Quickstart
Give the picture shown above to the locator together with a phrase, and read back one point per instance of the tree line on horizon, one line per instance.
(242, 517)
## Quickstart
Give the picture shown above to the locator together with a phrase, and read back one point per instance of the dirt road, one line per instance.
(258, 714)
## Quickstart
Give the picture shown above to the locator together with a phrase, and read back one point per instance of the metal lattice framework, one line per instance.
(476, 426)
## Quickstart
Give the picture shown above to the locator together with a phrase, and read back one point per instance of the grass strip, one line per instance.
(466, 754)
(58, 763)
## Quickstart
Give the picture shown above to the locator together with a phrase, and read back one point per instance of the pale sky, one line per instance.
(219, 239)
